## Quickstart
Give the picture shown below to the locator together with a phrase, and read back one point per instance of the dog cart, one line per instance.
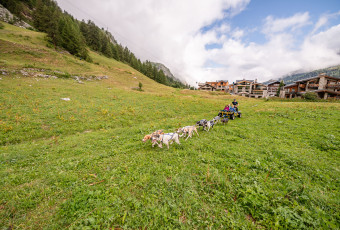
(230, 114)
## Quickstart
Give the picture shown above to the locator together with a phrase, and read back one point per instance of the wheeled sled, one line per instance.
(230, 114)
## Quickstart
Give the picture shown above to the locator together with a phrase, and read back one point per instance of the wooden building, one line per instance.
(243, 87)
(272, 88)
(250, 88)
(290, 91)
(206, 87)
(324, 86)
(258, 90)
(221, 85)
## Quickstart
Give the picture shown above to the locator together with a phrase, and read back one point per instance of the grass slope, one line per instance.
(80, 164)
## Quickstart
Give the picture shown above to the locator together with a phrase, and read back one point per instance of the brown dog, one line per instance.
(153, 137)
(146, 137)
(187, 130)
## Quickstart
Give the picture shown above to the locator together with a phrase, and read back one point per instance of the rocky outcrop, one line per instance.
(165, 69)
(7, 16)
(43, 73)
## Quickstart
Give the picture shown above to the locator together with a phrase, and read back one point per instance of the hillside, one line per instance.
(77, 37)
(81, 164)
(333, 71)
(35, 54)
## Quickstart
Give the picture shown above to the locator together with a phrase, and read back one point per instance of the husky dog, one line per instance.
(187, 130)
(166, 138)
(224, 120)
(202, 123)
(217, 119)
(150, 137)
(210, 124)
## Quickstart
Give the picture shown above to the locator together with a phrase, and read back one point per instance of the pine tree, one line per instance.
(114, 51)
(71, 38)
(279, 89)
(46, 17)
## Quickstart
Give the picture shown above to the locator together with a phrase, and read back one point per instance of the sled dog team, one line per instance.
(159, 137)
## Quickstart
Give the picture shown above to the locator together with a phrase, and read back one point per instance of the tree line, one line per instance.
(75, 36)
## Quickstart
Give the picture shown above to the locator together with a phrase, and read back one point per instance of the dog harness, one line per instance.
(167, 135)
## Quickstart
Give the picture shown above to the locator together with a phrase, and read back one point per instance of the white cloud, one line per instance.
(237, 34)
(171, 32)
(223, 28)
(292, 23)
(323, 20)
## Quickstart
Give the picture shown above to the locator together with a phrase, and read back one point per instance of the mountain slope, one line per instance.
(165, 70)
(34, 53)
(76, 36)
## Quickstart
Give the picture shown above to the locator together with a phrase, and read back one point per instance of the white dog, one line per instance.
(167, 139)
(217, 119)
(187, 130)
(210, 124)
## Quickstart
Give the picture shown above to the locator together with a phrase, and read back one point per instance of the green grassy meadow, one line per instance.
(81, 164)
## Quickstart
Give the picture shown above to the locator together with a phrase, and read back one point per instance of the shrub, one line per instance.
(310, 96)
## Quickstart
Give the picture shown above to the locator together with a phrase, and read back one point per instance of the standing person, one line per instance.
(235, 104)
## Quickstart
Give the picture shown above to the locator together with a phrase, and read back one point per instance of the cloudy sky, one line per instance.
(203, 40)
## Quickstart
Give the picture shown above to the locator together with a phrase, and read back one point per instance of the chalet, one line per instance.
(272, 88)
(220, 85)
(206, 87)
(324, 86)
(213, 86)
(290, 91)
(231, 87)
(243, 87)
(249, 88)
(258, 90)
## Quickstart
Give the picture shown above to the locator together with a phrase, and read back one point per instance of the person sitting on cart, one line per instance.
(232, 109)
(226, 108)
(235, 104)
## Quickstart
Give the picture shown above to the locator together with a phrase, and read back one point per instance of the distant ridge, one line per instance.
(333, 71)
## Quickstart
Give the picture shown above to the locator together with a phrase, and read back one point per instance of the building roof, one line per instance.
(290, 85)
(219, 83)
(208, 85)
(240, 82)
(237, 81)
(274, 82)
(316, 77)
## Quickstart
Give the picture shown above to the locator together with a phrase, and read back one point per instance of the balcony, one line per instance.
(333, 86)
(313, 86)
(258, 92)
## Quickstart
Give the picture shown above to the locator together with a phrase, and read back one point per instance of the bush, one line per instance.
(310, 96)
